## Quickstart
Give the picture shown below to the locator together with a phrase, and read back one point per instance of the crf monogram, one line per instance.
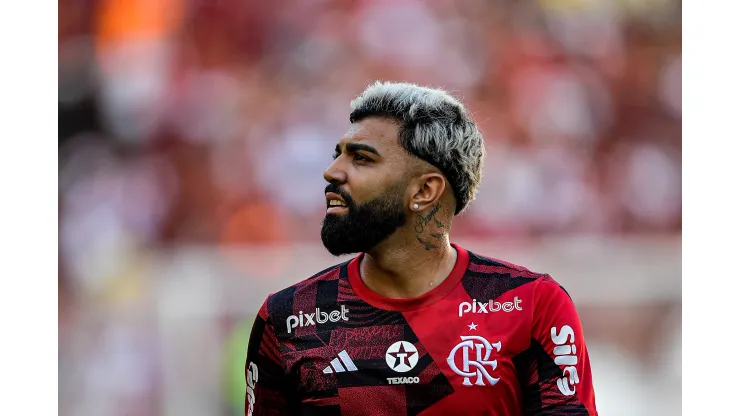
(482, 349)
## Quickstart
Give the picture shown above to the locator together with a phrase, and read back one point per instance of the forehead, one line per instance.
(381, 133)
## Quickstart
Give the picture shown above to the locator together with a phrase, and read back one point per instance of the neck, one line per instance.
(405, 267)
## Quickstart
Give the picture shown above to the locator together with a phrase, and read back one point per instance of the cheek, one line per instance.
(366, 183)
(372, 188)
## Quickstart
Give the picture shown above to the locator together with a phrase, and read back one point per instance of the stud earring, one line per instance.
(416, 206)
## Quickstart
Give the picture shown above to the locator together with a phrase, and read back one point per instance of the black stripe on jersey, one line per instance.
(526, 372)
(537, 371)
(489, 286)
(409, 335)
(255, 337)
(327, 292)
(362, 314)
(388, 318)
(279, 308)
(271, 374)
(342, 266)
(476, 259)
(344, 270)
(486, 261)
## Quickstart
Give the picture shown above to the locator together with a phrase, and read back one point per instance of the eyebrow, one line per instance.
(355, 147)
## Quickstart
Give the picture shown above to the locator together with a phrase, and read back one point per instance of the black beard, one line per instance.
(363, 226)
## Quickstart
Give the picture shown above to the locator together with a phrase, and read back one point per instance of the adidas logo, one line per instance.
(336, 365)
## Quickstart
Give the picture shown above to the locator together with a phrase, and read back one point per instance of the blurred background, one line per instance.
(193, 135)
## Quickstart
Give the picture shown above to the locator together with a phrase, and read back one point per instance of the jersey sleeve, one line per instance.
(559, 372)
(269, 389)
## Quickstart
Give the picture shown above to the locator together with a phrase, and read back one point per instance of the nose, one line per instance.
(334, 173)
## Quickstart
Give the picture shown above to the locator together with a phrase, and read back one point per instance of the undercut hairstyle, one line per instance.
(434, 126)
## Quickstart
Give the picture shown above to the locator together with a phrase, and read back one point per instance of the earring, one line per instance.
(416, 206)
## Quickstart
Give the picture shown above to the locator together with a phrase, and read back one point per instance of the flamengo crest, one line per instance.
(475, 352)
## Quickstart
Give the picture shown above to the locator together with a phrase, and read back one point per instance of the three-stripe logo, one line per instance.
(336, 365)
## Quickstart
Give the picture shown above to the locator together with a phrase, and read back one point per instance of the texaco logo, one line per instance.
(401, 356)
(474, 366)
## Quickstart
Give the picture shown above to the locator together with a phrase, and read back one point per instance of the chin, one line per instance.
(338, 250)
(336, 246)
(359, 230)
(339, 245)
(341, 253)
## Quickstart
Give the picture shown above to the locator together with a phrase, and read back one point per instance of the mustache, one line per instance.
(341, 192)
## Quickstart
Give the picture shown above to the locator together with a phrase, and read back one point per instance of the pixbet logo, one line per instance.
(252, 376)
(485, 307)
(475, 366)
(318, 317)
(565, 354)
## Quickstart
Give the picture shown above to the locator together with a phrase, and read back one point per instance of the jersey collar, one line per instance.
(394, 304)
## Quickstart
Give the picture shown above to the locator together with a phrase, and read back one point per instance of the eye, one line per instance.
(335, 155)
(360, 158)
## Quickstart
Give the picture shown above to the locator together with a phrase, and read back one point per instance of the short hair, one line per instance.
(434, 126)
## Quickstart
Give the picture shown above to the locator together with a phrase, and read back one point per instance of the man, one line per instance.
(414, 324)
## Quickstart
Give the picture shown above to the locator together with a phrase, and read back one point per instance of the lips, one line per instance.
(335, 201)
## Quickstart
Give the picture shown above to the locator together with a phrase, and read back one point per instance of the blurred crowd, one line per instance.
(210, 122)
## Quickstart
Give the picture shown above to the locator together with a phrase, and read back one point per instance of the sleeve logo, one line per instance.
(252, 376)
(565, 355)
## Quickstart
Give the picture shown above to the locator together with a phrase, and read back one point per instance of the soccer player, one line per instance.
(414, 324)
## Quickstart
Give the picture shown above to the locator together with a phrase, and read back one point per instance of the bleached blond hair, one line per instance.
(435, 127)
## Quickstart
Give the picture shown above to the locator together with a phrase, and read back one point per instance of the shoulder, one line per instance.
(489, 277)
(486, 266)
(322, 284)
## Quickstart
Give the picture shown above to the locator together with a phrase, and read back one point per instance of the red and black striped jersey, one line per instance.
(492, 339)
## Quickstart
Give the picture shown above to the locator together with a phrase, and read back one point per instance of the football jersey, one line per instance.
(492, 339)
